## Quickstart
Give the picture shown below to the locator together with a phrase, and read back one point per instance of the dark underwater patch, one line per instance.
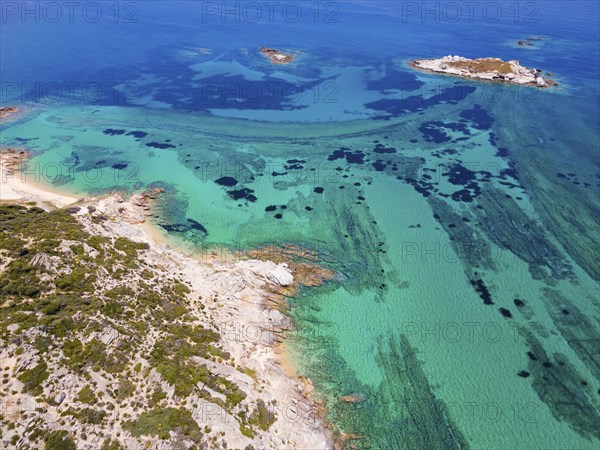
(223, 91)
(509, 227)
(422, 187)
(114, 132)
(137, 134)
(379, 165)
(433, 132)
(415, 103)
(558, 385)
(190, 225)
(382, 149)
(159, 145)
(244, 193)
(226, 181)
(91, 165)
(294, 164)
(356, 157)
(483, 291)
(459, 175)
(463, 195)
(502, 152)
(395, 80)
(119, 166)
(479, 117)
(61, 180)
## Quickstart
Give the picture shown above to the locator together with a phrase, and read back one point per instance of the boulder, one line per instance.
(46, 261)
(281, 275)
(58, 399)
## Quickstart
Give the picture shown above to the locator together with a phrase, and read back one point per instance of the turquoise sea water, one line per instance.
(461, 218)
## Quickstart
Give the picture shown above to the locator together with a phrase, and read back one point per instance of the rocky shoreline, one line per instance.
(8, 111)
(229, 296)
(486, 69)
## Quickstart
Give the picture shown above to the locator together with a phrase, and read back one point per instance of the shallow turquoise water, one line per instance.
(461, 218)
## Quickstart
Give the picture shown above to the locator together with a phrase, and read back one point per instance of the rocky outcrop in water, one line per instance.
(488, 69)
(276, 56)
(7, 111)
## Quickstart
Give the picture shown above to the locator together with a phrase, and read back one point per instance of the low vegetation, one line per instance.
(87, 314)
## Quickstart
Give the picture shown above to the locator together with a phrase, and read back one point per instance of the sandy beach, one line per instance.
(17, 186)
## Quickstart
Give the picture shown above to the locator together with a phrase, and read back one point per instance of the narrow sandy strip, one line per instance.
(15, 186)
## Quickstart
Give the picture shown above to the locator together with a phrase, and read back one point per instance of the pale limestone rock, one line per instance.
(58, 398)
(281, 275)
(517, 74)
(46, 261)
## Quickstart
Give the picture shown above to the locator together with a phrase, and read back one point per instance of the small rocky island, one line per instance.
(530, 41)
(276, 56)
(7, 111)
(488, 69)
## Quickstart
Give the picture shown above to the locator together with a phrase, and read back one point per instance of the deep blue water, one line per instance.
(137, 52)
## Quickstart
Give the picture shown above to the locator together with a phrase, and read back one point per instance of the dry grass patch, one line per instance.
(483, 65)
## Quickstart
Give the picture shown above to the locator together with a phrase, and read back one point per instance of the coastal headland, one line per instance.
(146, 345)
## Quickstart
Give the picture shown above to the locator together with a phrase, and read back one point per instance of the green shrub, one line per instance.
(86, 395)
(32, 379)
(111, 445)
(59, 440)
(78, 356)
(159, 422)
(262, 416)
(180, 289)
(157, 396)
(80, 280)
(129, 247)
(90, 415)
(125, 389)
(20, 278)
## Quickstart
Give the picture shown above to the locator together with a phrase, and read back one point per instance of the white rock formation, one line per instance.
(490, 69)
